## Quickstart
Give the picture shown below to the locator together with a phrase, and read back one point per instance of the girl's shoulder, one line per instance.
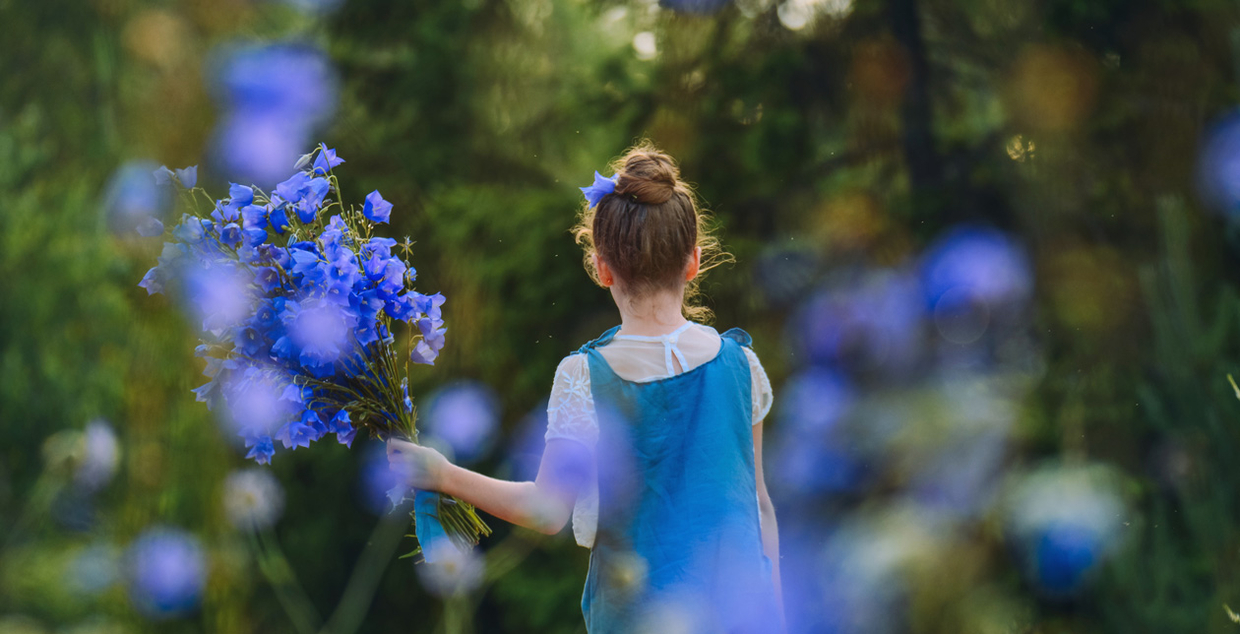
(735, 334)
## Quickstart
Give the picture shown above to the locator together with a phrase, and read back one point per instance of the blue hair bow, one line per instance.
(601, 187)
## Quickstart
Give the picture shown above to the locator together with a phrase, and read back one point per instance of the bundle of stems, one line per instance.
(382, 410)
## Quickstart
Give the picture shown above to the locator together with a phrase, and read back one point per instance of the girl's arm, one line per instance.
(770, 530)
(544, 505)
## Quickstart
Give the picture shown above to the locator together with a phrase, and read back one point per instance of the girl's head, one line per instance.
(647, 232)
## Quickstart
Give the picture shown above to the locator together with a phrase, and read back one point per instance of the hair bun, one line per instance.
(648, 177)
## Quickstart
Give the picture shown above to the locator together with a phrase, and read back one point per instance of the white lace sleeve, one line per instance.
(763, 397)
(570, 411)
(570, 414)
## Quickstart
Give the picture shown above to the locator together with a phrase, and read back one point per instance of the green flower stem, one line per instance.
(292, 597)
(457, 615)
(509, 553)
(364, 581)
(44, 491)
(333, 387)
(359, 591)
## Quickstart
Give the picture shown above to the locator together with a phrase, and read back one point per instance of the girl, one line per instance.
(654, 433)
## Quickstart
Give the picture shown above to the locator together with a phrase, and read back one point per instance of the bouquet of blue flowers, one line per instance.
(298, 301)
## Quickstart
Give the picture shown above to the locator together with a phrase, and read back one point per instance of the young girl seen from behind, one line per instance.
(654, 432)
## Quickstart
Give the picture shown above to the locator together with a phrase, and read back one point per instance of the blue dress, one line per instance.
(678, 530)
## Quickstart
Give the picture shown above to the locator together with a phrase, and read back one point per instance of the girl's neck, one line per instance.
(651, 315)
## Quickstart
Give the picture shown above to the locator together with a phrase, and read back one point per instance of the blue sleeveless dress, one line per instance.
(678, 530)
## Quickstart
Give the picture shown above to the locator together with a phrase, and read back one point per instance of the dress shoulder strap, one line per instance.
(739, 336)
(602, 340)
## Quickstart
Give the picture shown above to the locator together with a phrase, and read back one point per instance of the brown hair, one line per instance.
(646, 230)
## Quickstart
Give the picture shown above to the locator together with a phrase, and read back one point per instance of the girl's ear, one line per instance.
(695, 264)
(605, 276)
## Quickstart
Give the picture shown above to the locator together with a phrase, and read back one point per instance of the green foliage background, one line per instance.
(1074, 124)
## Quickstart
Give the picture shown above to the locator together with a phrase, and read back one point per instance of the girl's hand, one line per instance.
(417, 466)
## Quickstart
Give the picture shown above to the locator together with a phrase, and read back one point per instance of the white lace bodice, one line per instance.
(571, 414)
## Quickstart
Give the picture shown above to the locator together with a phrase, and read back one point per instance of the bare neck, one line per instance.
(650, 315)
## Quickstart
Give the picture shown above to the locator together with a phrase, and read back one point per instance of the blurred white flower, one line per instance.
(1064, 523)
(253, 498)
(100, 454)
(671, 617)
(454, 572)
(94, 569)
(797, 14)
(646, 46)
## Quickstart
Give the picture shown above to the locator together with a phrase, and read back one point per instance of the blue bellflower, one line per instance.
(326, 160)
(188, 176)
(601, 187)
(296, 434)
(427, 349)
(376, 208)
(261, 450)
(343, 427)
(254, 217)
(293, 188)
(163, 175)
(240, 195)
(150, 227)
(278, 220)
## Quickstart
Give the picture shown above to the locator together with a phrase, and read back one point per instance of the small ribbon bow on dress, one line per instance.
(601, 187)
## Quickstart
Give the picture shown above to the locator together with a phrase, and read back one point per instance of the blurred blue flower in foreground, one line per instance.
(465, 417)
(291, 79)
(219, 297)
(167, 572)
(973, 276)
(814, 401)
(1064, 523)
(133, 200)
(1218, 167)
(253, 498)
(858, 581)
(320, 329)
(257, 148)
(273, 96)
(986, 264)
(380, 486)
(527, 444)
(873, 323)
(814, 455)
